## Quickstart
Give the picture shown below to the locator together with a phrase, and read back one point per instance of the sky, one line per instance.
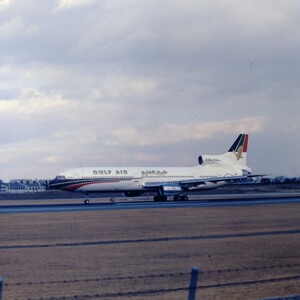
(147, 83)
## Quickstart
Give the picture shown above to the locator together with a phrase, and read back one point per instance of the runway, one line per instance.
(142, 203)
(246, 246)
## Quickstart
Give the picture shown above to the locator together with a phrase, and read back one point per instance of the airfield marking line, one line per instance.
(142, 205)
(154, 240)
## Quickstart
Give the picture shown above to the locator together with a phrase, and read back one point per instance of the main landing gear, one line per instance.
(160, 198)
(86, 200)
(164, 198)
(181, 198)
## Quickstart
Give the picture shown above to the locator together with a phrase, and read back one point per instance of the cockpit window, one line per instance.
(60, 177)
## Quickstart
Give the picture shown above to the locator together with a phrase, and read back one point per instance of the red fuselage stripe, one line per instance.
(73, 187)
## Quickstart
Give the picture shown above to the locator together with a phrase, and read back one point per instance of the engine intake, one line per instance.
(200, 160)
(170, 190)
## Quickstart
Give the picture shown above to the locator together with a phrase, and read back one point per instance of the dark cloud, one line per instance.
(98, 79)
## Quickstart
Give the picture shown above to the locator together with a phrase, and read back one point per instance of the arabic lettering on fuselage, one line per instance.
(154, 172)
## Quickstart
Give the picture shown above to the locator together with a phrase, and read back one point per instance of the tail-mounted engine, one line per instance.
(200, 160)
(210, 159)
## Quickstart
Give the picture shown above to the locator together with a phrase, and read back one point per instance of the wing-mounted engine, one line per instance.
(170, 190)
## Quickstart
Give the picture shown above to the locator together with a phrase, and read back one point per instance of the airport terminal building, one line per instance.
(23, 186)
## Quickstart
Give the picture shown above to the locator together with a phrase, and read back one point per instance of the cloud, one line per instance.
(11, 28)
(123, 86)
(175, 133)
(4, 4)
(16, 28)
(68, 4)
(120, 82)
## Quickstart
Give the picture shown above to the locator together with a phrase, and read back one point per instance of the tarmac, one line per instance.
(244, 248)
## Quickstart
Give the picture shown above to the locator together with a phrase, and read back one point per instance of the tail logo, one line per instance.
(240, 146)
(239, 153)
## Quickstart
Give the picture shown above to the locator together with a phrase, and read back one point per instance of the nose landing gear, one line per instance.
(86, 200)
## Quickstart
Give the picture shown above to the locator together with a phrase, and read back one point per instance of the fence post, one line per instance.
(1, 284)
(193, 283)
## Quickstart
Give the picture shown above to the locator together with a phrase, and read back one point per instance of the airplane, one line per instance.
(212, 171)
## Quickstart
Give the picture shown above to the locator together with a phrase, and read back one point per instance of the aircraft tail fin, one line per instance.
(237, 153)
(239, 148)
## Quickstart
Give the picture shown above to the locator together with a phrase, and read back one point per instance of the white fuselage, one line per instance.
(212, 172)
(112, 179)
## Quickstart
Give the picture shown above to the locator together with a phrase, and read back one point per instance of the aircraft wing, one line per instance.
(195, 182)
(186, 184)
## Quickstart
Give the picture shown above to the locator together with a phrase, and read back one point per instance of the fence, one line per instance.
(193, 283)
(1, 284)
(192, 288)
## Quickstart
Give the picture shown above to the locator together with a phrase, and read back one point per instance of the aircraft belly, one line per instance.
(108, 186)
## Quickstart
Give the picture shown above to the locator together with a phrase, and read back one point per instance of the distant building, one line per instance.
(3, 187)
(24, 185)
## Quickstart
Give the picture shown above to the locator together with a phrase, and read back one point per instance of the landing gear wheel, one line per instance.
(181, 198)
(160, 198)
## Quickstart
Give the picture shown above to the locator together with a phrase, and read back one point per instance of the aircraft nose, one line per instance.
(57, 183)
(47, 184)
(50, 184)
(53, 184)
